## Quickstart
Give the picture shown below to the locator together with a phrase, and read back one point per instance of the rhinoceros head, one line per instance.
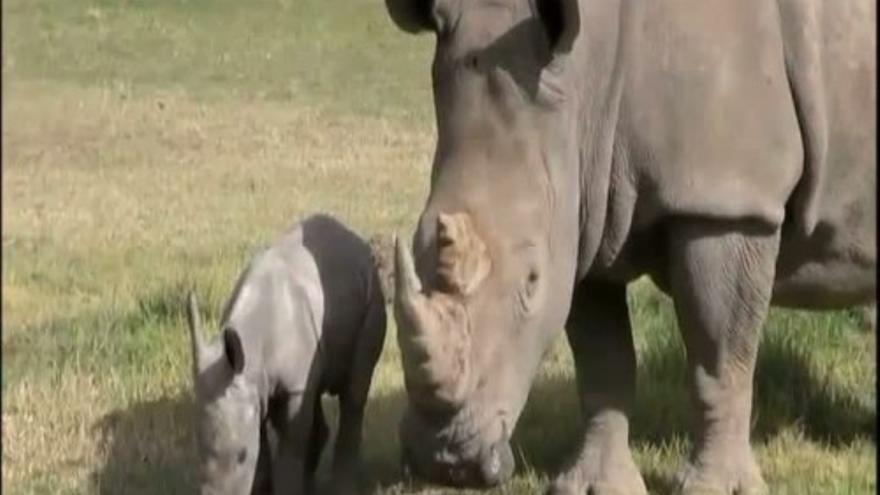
(227, 412)
(495, 251)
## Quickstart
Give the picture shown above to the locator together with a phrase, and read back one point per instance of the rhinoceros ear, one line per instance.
(562, 22)
(412, 16)
(462, 258)
(233, 350)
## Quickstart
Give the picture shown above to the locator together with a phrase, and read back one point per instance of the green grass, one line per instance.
(154, 145)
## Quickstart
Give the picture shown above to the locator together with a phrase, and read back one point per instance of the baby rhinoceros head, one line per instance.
(227, 412)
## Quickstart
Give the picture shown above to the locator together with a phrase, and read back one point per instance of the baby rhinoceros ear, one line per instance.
(462, 257)
(233, 350)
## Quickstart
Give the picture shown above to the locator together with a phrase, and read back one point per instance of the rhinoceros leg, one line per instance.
(346, 460)
(293, 420)
(600, 336)
(263, 477)
(347, 456)
(721, 277)
(317, 439)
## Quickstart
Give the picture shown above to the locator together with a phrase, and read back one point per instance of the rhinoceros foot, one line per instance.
(739, 478)
(607, 472)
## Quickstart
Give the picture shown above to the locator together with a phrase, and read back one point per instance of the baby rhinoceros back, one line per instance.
(306, 317)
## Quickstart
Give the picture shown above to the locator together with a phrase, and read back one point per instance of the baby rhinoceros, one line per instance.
(306, 317)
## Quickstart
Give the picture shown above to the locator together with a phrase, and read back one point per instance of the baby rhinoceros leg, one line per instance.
(346, 470)
(317, 439)
(346, 460)
(262, 484)
(291, 470)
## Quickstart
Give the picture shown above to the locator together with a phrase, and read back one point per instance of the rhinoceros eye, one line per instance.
(528, 291)
(531, 282)
(242, 456)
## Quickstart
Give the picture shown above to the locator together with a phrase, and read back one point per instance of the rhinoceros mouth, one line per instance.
(490, 469)
(457, 452)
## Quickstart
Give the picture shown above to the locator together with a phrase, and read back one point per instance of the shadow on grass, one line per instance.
(148, 449)
(789, 390)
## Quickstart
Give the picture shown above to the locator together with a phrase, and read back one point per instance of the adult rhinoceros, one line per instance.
(725, 148)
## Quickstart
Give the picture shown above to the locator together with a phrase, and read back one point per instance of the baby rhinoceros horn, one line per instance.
(433, 337)
(195, 333)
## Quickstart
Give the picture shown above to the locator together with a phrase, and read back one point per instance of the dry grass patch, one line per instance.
(120, 184)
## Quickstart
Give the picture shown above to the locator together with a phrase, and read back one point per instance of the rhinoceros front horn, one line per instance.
(433, 337)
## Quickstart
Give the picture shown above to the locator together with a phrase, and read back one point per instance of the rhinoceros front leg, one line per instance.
(262, 484)
(600, 336)
(721, 278)
(293, 422)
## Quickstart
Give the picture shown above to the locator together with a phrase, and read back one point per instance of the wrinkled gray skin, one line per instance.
(724, 148)
(307, 317)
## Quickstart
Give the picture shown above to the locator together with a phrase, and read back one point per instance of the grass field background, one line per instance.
(151, 145)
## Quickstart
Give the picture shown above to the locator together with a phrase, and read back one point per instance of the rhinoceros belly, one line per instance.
(836, 266)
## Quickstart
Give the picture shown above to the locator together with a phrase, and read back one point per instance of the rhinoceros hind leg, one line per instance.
(347, 462)
(317, 439)
(600, 336)
(721, 276)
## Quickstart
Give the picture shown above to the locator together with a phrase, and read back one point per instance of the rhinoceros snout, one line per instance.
(497, 464)
(491, 468)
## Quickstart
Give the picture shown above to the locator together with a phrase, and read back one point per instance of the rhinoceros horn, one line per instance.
(195, 333)
(433, 337)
